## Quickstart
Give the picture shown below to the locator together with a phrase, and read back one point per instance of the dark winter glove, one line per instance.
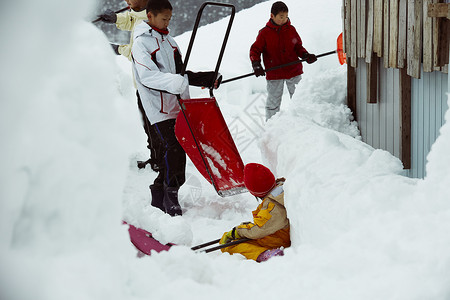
(258, 69)
(115, 48)
(309, 58)
(109, 16)
(229, 236)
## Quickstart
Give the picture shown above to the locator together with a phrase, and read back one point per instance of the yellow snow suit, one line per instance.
(128, 21)
(270, 227)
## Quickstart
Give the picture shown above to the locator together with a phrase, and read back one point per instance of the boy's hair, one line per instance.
(157, 6)
(278, 7)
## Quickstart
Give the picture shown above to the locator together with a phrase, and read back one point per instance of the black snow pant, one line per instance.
(153, 141)
(172, 173)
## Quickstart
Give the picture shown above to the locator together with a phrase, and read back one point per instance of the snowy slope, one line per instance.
(71, 133)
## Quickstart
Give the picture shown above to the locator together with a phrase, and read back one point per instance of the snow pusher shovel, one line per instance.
(339, 51)
(203, 133)
(145, 243)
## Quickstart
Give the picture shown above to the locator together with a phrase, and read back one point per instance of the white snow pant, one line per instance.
(275, 92)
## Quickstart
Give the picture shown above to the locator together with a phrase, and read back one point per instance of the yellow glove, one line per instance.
(229, 236)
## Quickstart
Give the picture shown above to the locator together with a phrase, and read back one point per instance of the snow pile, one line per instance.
(71, 136)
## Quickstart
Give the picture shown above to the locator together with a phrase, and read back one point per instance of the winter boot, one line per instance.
(269, 253)
(157, 192)
(171, 204)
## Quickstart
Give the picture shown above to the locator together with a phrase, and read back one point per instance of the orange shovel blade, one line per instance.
(340, 51)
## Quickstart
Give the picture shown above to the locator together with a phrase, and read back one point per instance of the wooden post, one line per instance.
(405, 118)
(402, 32)
(351, 90)
(378, 27)
(372, 80)
(393, 33)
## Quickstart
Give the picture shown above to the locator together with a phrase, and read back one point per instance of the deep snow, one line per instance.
(71, 135)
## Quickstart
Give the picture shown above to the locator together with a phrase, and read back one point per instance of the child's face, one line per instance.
(280, 19)
(161, 20)
(136, 5)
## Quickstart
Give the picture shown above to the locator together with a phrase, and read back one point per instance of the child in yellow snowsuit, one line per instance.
(270, 227)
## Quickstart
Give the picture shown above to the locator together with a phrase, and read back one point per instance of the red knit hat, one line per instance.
(258, 179)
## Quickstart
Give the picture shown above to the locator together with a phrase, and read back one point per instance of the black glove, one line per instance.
(108, 16)
(309, 58)
(258, 69)
(115, 48)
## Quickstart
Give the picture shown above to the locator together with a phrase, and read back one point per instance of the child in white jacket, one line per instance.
(157, 63)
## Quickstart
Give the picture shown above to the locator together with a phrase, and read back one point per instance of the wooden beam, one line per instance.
(351, 90)
(405, 118)
(393, 33)
(378, 27)
(439, 10)
(372, 80)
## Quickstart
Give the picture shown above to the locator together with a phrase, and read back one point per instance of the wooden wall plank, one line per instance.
(386, 33)
(369, 37)
(414, 43)
(378, 27)
(354, 35)
(405, 118)
(427, 38)
(362, 28)
(402, 33)
(393, 33)
(346, 28)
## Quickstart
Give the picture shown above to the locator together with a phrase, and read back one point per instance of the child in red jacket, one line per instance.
(279, 44)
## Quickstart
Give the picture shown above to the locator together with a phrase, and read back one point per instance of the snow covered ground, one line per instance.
(71, 133)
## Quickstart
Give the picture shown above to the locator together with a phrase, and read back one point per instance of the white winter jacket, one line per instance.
(155, 72)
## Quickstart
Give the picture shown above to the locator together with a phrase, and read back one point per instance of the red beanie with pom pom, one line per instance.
(258, 179)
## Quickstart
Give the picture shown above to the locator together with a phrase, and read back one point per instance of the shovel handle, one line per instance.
(278, 67)
(117, 11)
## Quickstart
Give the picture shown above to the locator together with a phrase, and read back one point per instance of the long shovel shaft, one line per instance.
(277, 67)
(226, 245)
(205, 244)
(117, 11)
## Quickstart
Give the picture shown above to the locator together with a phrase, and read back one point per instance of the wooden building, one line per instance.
(397, 56)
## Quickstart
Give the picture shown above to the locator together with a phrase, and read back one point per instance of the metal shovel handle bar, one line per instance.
(117, 11)
(278, 67)
(236, 242)
(225, 39)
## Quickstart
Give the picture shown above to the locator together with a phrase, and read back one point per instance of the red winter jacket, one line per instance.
(278, 45)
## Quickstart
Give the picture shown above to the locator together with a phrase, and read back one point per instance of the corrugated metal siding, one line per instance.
(428, 107)
(379, 123)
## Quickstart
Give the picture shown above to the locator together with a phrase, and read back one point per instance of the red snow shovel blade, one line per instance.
(144, 241)
(202, 132)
